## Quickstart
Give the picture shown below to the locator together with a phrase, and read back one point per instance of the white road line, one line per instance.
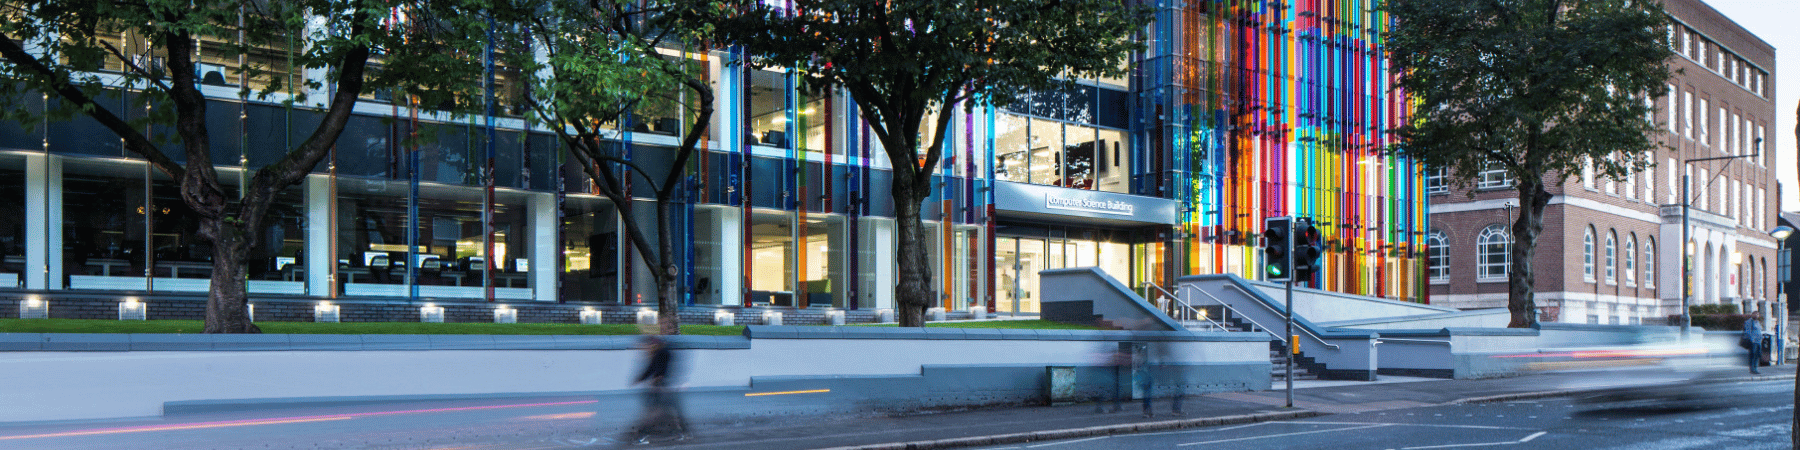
(1281, 435)
(1203, 430)
(1478, 427)
(1068, 442)
(1482, 444)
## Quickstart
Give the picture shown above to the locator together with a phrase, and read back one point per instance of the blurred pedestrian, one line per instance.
(1752, 340)
(1157, 356)
(1113, 358)
(662, 410)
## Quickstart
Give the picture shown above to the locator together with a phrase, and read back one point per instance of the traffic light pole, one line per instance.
(1291, 344)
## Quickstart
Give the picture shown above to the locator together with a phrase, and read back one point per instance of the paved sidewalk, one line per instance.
(1038, 423)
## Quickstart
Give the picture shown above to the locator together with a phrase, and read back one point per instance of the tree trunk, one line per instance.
(668, 307)
(227, 303)
(1521, 280)
(913, 294)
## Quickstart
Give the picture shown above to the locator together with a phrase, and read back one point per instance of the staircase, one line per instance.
(1199, 319)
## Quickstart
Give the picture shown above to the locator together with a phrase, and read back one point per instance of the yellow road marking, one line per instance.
(814, 391)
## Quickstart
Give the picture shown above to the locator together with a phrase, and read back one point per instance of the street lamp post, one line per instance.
(1687, 320)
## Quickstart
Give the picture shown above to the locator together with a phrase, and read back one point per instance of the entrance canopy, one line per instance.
(1082, 207)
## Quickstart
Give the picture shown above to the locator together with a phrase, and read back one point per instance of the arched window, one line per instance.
(1587, 254)
(1631, 259)
(1612, 257)
(1493, 251)
(1437, 256)
(1649, 262)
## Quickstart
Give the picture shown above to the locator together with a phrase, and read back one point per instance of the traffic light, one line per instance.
(1276, 246)
(1307, 243)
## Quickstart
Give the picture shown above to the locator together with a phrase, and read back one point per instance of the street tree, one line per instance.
(1537, 89)
(906, 62)
(84, 55)
(605, 66)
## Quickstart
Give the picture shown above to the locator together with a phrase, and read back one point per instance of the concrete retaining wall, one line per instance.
(112, 376)
(1326, 306)
(1481, 318)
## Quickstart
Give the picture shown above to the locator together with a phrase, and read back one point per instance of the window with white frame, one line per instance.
(1631, 260)
(1704, 110)
(1493, 251)
(1649, 177)
(1612, 261)
(1670, 107)
(1672, 186)
(1587, 254)
(1493, 176)
(1649, 262)
(1437, 255)
(1587, 173)
(1435, 180)
(1687, 114)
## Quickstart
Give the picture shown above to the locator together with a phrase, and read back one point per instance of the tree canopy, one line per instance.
(1539, 88)
(901, 60)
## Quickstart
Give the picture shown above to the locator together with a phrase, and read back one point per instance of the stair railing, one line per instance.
(1181, 311)
(1239, 315)
(1265, 306)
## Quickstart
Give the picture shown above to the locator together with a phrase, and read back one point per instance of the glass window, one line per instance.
(1011, 148)
(1631, 259)
(1080, 156)
(1612, 261)
(1438, 256)
(816, 119)
(821, 260)
(768, 108)
(12, 225)
(104, 224)
(375, 237)
(1046, 152)
(1649, 262)
(590, 249)
(1587, 254)
(1435, 182)
(772, 259)
(1113, 160)
(1493, 253)
(1494, 176)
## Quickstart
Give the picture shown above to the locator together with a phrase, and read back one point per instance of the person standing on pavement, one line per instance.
(662, 410)
(1157, 355)
(1753, 338)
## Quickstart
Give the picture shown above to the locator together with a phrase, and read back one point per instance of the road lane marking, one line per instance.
(279, 420)
(194, 426)
(1204, 430)
(1068, 442)
(1478, 427)
(812, 391)
(1282, 435)
(1481, 444)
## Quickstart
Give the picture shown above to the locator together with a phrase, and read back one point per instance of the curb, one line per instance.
(1569, 392)
(1050, 435)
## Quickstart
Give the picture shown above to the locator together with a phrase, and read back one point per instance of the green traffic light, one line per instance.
(1275, 270)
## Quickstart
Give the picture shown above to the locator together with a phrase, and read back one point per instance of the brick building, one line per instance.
(1607, 253)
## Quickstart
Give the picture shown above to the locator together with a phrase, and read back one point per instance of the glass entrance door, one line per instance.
(1018, 260)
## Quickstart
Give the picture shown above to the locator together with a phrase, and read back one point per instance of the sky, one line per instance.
(1774, 21)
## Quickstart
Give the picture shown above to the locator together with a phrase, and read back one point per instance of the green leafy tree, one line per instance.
(905, 62)
(1536, 88)
(603, 62)
(82, 52)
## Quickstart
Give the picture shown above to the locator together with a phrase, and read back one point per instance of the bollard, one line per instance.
(934, 315)
(132, 309)
(431, 313)
(724, 318)
(325, 312)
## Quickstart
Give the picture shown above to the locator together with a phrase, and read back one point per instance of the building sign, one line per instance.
(1080, 206)
(1063, 202)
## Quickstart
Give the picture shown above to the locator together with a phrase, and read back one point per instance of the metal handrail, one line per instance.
(1190, 311)
(1272, 309)
(1420, 341)
(1241, 315)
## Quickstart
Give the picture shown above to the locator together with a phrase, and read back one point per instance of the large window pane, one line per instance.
(104, 210)
(590, 246)
(1012, 145)
(1046, 152)
(12, 225)
(772, 259)
(768, 108)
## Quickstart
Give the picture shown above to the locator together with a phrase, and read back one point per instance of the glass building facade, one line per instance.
(1230, 115)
